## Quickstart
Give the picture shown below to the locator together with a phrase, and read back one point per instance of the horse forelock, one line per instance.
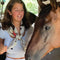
(42, 17)
(40, 21)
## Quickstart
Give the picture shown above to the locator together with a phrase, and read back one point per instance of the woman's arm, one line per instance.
(2, 47)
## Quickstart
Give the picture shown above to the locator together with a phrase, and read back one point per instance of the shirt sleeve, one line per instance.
(8, 39)
(2, 34)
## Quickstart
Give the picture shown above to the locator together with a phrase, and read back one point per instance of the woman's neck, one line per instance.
(16, 24)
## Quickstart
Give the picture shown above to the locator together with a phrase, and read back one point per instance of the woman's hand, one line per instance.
(2, 47)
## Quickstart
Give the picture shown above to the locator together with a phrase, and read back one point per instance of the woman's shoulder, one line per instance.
(2, 32)
(30, 30)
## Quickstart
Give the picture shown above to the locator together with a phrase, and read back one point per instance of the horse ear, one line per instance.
(53, 4)
(40, 3)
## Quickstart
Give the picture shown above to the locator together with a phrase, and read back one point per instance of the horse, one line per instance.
(46, 35)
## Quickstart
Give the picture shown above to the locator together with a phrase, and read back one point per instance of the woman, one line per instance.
(13, 31)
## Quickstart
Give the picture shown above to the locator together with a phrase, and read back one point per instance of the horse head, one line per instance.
(46, 35)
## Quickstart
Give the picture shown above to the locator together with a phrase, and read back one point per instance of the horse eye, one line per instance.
(47, 27)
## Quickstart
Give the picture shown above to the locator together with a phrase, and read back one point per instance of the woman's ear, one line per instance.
(9, 12)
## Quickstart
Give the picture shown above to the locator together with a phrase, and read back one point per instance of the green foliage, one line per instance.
(31, 6)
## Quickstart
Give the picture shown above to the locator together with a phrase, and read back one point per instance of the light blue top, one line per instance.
(16, 51)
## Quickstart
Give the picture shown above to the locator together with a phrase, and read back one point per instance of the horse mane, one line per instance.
(40, 21)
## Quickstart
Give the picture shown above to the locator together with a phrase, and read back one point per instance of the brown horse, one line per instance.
(46, 36)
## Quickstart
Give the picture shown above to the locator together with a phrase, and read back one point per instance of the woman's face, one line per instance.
(17, 12)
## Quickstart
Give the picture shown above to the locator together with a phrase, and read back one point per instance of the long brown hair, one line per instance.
(6, 22)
